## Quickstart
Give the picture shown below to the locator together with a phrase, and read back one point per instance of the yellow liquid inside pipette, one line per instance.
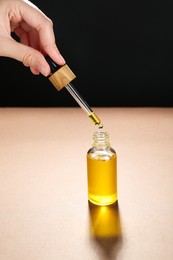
(96, 120)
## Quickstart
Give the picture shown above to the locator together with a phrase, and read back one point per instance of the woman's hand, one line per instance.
(35, 32)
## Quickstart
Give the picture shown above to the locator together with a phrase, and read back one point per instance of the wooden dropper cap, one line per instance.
(61, 75)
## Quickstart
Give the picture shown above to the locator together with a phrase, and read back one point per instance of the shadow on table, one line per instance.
(105, 230)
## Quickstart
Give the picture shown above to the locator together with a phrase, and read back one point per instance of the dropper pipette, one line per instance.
(62, 77)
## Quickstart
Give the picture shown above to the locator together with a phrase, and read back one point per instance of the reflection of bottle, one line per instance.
(102, 170)
(105, 221)
(105, 230)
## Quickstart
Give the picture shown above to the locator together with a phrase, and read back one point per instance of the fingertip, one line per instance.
(44, 71)
(61, 59)
(56, 56)
(41, 67)
(34, 71)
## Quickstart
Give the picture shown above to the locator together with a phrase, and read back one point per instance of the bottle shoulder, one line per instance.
(103, 153)
(102, 148)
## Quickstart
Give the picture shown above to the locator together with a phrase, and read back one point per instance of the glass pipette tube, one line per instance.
(62, 77)
(83, 104)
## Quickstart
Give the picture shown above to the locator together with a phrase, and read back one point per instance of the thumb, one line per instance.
(27, 55)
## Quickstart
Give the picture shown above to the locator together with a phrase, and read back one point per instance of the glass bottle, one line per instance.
(102, 170)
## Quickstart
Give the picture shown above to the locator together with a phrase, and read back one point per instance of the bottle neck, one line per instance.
(101, 139)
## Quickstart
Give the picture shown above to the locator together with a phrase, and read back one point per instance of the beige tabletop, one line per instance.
(44, 210)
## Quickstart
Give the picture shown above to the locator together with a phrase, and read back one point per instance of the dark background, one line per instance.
(120, 51)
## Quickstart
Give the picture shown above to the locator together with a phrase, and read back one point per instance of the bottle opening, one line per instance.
(101, 138)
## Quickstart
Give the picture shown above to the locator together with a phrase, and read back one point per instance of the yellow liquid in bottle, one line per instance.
(102, 180)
